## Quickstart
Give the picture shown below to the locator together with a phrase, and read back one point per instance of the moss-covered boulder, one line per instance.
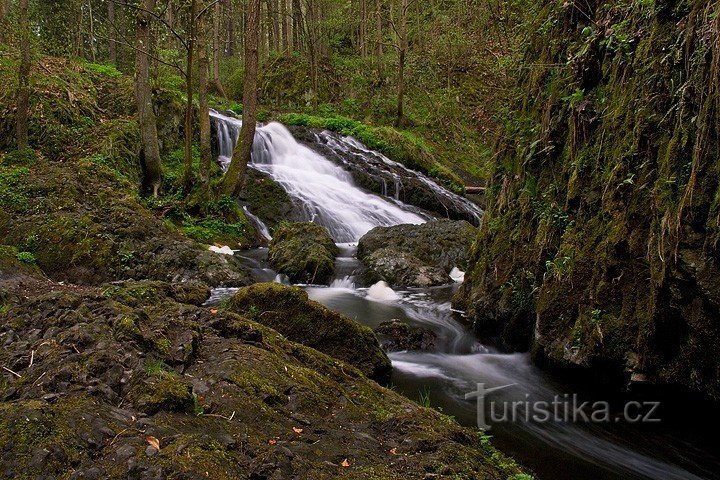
(304, 252)
(416, 255)
(288, 310)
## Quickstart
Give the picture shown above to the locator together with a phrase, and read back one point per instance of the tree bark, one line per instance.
(297, 24)
(112, 47)
(188, 170)
(234, 179)
(378, 26)
(203, 67)
(363, 28)
(216, 50)
(402, 44)
(23, 92)
(285, 24)
(143, 98)
(93, 50)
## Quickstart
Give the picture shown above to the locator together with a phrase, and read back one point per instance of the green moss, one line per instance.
(305, 252)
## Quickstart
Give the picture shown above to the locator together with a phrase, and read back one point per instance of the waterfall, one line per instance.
(326, 192)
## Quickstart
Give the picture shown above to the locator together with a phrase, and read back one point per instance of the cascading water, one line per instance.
(350, 146)
(326, 192)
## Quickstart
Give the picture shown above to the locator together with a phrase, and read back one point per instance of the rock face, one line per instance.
(397, 336)
(416, 255)
(288, 310)
(304, 252)
(600, 244)
(130, 381)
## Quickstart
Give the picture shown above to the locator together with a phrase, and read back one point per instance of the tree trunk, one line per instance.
(231, 28)
(78, 34)
(23, 92)
(378, 26)
(187, 171)
(143, 98)
(363, 28)
(112, 48)
(234, 179)
(216, 50)
(203, 67)
(93, 50)
(285, 25)
(297, 27)
(402, 43)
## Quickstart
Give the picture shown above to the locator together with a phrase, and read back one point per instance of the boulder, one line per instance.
(416, 255)
(304, 252)
(288, 310)
(397, 336)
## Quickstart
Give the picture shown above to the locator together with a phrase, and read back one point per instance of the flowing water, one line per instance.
(326, 193)
(675, 449)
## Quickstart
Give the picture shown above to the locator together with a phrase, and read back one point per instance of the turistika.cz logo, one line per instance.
(565, 408)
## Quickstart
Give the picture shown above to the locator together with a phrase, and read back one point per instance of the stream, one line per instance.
(552, 451)
(679, 447)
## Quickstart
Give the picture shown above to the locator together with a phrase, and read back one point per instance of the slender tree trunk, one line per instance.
(112, 47)
(216, 50)
(23, 92)
(143, 98)
(93, 50)
(363, 28)
(285, 25)
(78, 33)
(188, 170)
(231, 28)
(234, 179)
(297, 22)
(402, 42)
(203, 67)
(378, 27)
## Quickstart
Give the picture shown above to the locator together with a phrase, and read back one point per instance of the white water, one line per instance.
(351, 145)
(326, 192)
(380, 291)
(259, 224)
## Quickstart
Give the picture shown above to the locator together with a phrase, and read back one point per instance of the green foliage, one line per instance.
(103, 69)
(26, 257)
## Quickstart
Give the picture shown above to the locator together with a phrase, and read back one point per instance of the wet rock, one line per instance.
(304, 252)
(416, 255)
(397, 336)
(289, 311)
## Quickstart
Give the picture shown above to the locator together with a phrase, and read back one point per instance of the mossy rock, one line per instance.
(416, 255)
(304, 252)
(288, 310)
(138, 292)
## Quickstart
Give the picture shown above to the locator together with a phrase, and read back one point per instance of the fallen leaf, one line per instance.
(297, 430)
(345, 463)
(213, 311)
(154, 442)
(272, 441)
(393, 451)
